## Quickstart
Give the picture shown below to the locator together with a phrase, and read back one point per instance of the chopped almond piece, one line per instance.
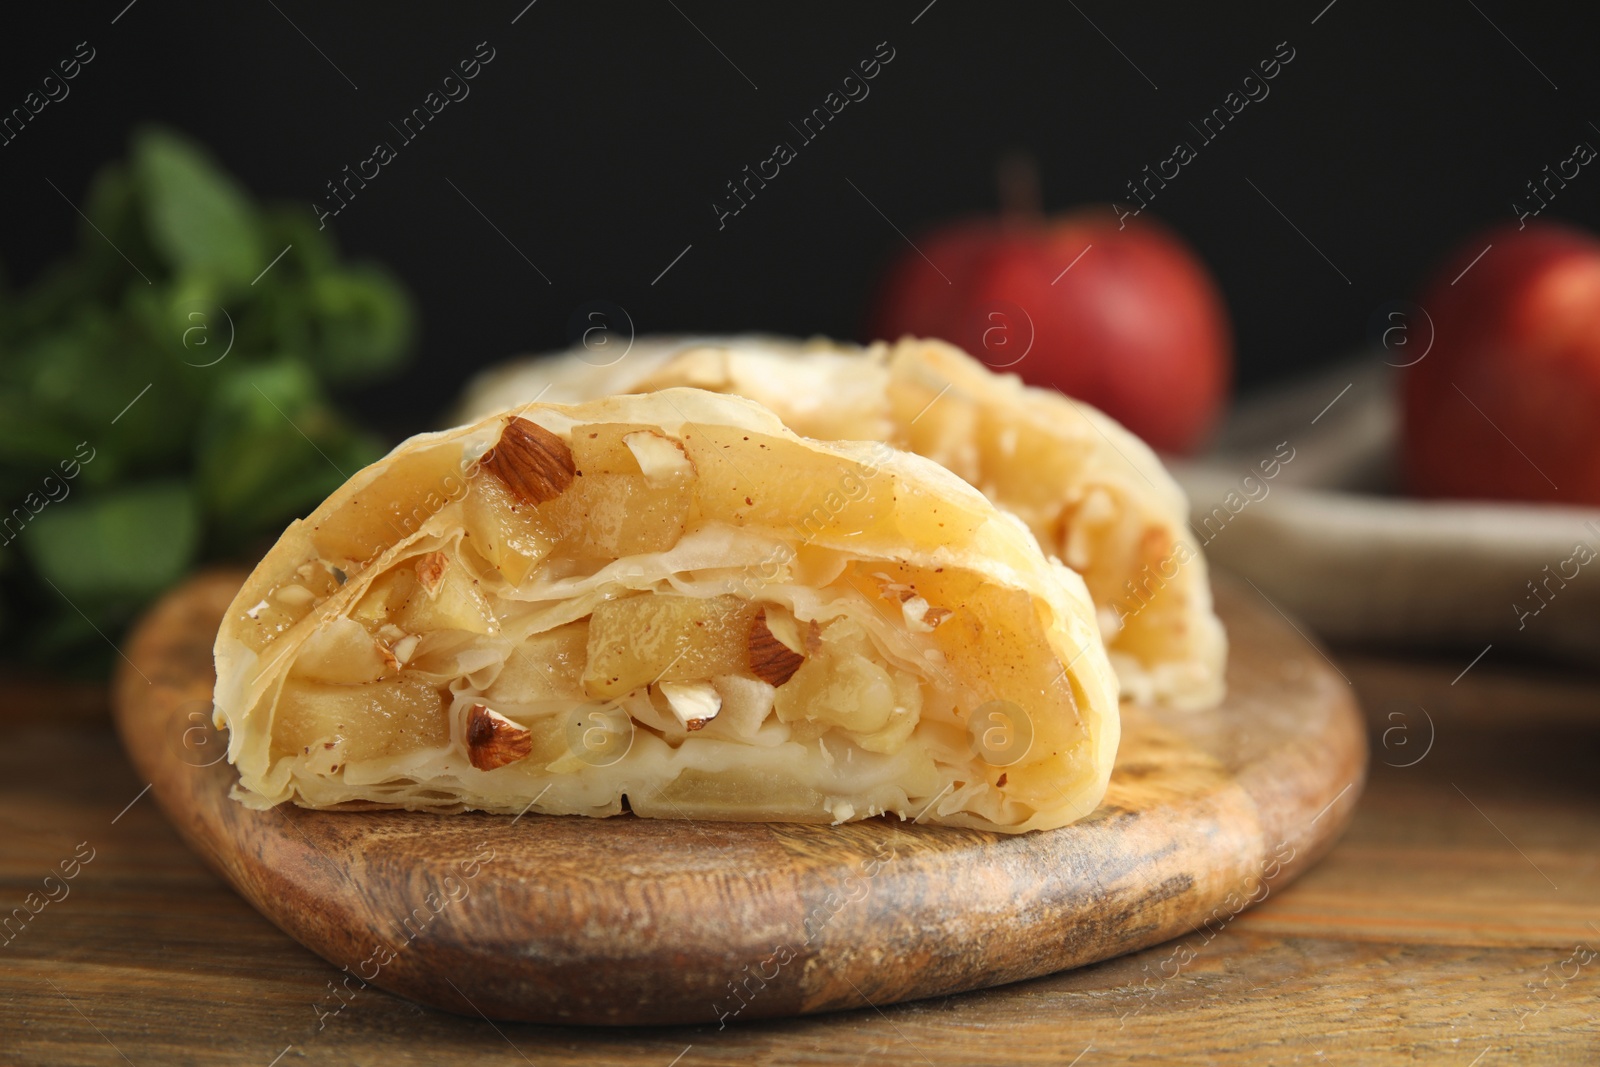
(534, 463)
(494, 740)
(770, 659)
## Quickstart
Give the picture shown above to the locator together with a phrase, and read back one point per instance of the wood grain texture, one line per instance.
(638, 921)
(1424, 936)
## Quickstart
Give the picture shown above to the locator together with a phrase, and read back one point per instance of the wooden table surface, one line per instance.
(1458, 922)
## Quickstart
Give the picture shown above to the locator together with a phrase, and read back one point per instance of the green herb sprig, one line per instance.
(165, 394)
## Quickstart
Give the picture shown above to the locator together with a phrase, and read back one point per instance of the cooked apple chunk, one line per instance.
(363, 721)
(672, 602)
(647, 638)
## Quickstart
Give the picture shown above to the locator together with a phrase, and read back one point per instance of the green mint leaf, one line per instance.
(131, 542)
(199, 219)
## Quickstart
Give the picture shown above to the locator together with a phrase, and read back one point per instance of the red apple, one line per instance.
(1506, 404)
(1124, 317)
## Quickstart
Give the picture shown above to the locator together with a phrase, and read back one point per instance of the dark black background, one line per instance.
(599, 136)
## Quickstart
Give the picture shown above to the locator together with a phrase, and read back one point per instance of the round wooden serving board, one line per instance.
(633, 921)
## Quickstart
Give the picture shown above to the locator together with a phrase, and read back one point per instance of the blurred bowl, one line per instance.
(1328, 540)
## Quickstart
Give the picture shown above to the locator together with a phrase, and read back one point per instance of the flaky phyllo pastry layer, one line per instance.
(1092, 493)
(671, 602)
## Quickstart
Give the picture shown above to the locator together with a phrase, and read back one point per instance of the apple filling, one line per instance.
(509, 633)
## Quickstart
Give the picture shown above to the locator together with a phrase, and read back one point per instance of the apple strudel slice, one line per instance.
(671, 603)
